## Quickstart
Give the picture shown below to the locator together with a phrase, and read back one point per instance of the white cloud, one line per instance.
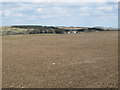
(9, 13)
(100, 13)
(39, 9)
(61, 1)
(24, 6)
(105, 8)
(19, 14)
(84, 8)
(84, 14)
(6, 12)
(32, 17)
(0, 12)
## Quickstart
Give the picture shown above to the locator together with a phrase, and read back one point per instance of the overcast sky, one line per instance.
(60, 14)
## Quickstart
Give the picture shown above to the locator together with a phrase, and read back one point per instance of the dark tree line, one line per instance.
(34, 29)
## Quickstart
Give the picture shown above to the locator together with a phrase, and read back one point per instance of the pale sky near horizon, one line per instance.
(82, 14)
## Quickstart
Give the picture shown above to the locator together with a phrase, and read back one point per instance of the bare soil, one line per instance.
(85, 60)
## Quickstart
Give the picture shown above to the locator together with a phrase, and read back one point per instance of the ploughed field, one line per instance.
(85, 60)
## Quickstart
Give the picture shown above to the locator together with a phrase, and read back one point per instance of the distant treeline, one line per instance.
(33, 29)
(14, 30)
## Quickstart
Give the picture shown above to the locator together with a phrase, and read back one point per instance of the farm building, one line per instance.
(74, 31)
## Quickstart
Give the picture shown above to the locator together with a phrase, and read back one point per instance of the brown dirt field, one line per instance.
(86, 60)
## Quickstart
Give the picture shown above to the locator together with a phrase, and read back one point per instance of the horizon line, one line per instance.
(57, 25)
